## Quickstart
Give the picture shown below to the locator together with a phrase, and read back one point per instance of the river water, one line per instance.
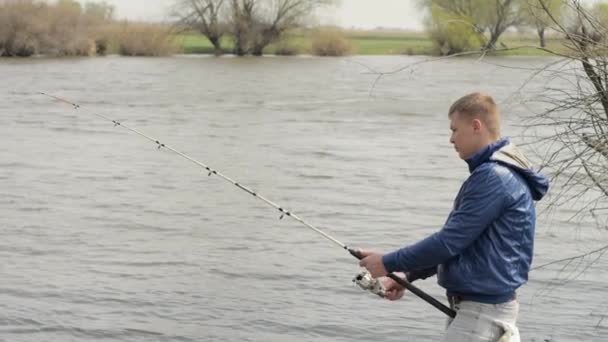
(106, 237)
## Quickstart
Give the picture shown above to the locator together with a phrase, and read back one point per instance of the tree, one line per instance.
(573, 128)
(452, 33)
(540, 14)
(493, 17)
(242, 22)
(500, 15)
(259, 23)
(570, 131)
(253, 24)
(205, 16)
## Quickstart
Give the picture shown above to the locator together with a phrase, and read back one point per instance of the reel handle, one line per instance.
(413, 289)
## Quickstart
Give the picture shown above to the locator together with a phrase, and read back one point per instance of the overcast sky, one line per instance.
(357, 13)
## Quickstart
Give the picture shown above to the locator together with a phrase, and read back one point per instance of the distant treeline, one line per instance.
(474, 25)
(451, 26)
(255, 27)
(65, 28)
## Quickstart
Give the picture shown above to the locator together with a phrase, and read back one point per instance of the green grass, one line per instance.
(363, 43)
(193, 43)
(392, 47)
(527, 43)
(389, 43)
(371, 43)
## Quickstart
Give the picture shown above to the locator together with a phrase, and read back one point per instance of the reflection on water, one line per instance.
(105, 236)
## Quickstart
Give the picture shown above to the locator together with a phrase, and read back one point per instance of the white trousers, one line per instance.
(479, 322)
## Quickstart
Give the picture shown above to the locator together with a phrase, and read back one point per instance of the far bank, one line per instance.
(370, 42)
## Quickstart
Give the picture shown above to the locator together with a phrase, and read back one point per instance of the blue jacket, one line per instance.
(484, 251)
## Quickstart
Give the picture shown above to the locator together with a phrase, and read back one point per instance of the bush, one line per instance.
(29, 27)
(68, 32)
(451, 33)
(330, 42)
(21, 28)
(286, 48)
(140, 39)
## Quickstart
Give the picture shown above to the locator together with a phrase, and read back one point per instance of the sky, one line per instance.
(349, 13)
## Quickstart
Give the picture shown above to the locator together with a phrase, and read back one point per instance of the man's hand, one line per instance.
(372, 261)
(393, 290)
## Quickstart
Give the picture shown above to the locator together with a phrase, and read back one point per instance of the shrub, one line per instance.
(286, 48)
(67, 31)
(330, 42)
(140, 39)
(30, 27)
(21, 28)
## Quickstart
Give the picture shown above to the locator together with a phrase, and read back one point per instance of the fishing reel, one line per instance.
(365, 281)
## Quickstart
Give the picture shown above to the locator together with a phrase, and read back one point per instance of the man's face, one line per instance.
(464, 135)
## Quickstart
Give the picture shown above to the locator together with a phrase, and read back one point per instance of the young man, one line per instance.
(484, 250)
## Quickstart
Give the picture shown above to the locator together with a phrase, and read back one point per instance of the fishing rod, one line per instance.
(364, 280)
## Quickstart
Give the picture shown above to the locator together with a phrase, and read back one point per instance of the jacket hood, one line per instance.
(506, 153)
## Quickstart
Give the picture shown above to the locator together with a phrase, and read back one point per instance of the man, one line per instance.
(484, 250)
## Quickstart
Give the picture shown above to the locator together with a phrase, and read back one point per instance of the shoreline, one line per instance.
(362, 43)
(231, 55)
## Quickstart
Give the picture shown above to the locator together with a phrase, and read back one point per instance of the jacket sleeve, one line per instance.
(421, 274)
(482, 201)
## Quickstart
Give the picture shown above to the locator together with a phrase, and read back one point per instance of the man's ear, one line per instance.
(476, 124)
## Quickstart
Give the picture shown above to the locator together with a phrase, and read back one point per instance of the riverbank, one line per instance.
(373, 42)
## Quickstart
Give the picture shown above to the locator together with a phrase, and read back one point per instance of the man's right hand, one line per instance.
(393, 291)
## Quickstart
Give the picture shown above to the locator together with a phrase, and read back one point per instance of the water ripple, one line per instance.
(105, 238)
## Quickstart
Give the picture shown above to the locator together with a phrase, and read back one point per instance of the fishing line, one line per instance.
(283, 212)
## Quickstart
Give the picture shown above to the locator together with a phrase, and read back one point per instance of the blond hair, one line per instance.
(478, 106)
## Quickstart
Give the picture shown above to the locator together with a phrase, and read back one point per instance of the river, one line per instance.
(106, 237)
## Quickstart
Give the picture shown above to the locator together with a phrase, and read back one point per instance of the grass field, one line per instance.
(372, 43)
(363, 43)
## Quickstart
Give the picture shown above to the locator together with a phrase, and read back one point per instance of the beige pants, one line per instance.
(479, 322)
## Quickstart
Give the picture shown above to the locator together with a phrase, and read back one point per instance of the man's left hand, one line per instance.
(372, 261)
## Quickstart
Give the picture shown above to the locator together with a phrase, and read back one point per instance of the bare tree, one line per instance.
(242, 25)
(537, 14)
(573, 127)
(253, 24)
(259, 23)
(204, 16)
(501, 15)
